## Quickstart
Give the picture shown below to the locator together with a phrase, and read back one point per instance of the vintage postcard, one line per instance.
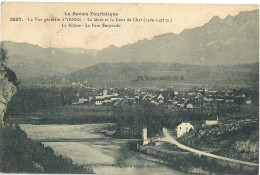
(110, 88)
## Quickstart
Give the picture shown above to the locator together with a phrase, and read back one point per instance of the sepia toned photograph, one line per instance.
(129, 89)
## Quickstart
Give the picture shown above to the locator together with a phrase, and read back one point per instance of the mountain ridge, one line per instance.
(228, 41)
(159, 75)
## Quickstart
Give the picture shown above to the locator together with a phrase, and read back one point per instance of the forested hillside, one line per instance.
(159, 75)
(19, 154)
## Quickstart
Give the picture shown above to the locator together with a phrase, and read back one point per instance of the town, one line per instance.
(197, 99)
(206, 102)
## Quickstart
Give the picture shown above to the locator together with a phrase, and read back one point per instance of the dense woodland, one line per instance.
(33, 99)
(132, 119)
(166, 77)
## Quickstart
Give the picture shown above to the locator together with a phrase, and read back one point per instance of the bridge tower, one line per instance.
(144, 135)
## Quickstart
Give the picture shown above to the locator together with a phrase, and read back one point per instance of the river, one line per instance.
(103, 157)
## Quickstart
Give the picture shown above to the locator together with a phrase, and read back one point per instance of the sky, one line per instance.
(52, 34)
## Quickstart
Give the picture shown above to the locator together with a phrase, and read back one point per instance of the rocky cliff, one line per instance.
(7, 87)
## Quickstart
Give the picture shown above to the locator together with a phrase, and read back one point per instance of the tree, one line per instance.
(9, 73)
(3, 54)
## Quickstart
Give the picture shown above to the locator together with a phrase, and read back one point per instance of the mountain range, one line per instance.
(233, 40)
(230, 41)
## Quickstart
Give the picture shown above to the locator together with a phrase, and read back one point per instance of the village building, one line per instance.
(183, 128)
(104, 92)
(154, 102)
(189, 106)
(201, 91)
(212, 93)
(248, 102)
(219, 100)
(160, 97)
(191, 93)
(229, 93)
(105, 95)
(137, 97)
(99, 102)
(181, 105)
(100, 97)
(206, 89)
(160, 101)
(115, 94)
(116, 98)
(107, 100)
(211, 122)
(208, 99)
(81, 100)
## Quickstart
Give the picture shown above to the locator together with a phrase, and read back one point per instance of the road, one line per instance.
(170, 139)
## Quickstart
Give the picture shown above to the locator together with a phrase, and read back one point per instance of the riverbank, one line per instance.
(114, 157)
(185, 161)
